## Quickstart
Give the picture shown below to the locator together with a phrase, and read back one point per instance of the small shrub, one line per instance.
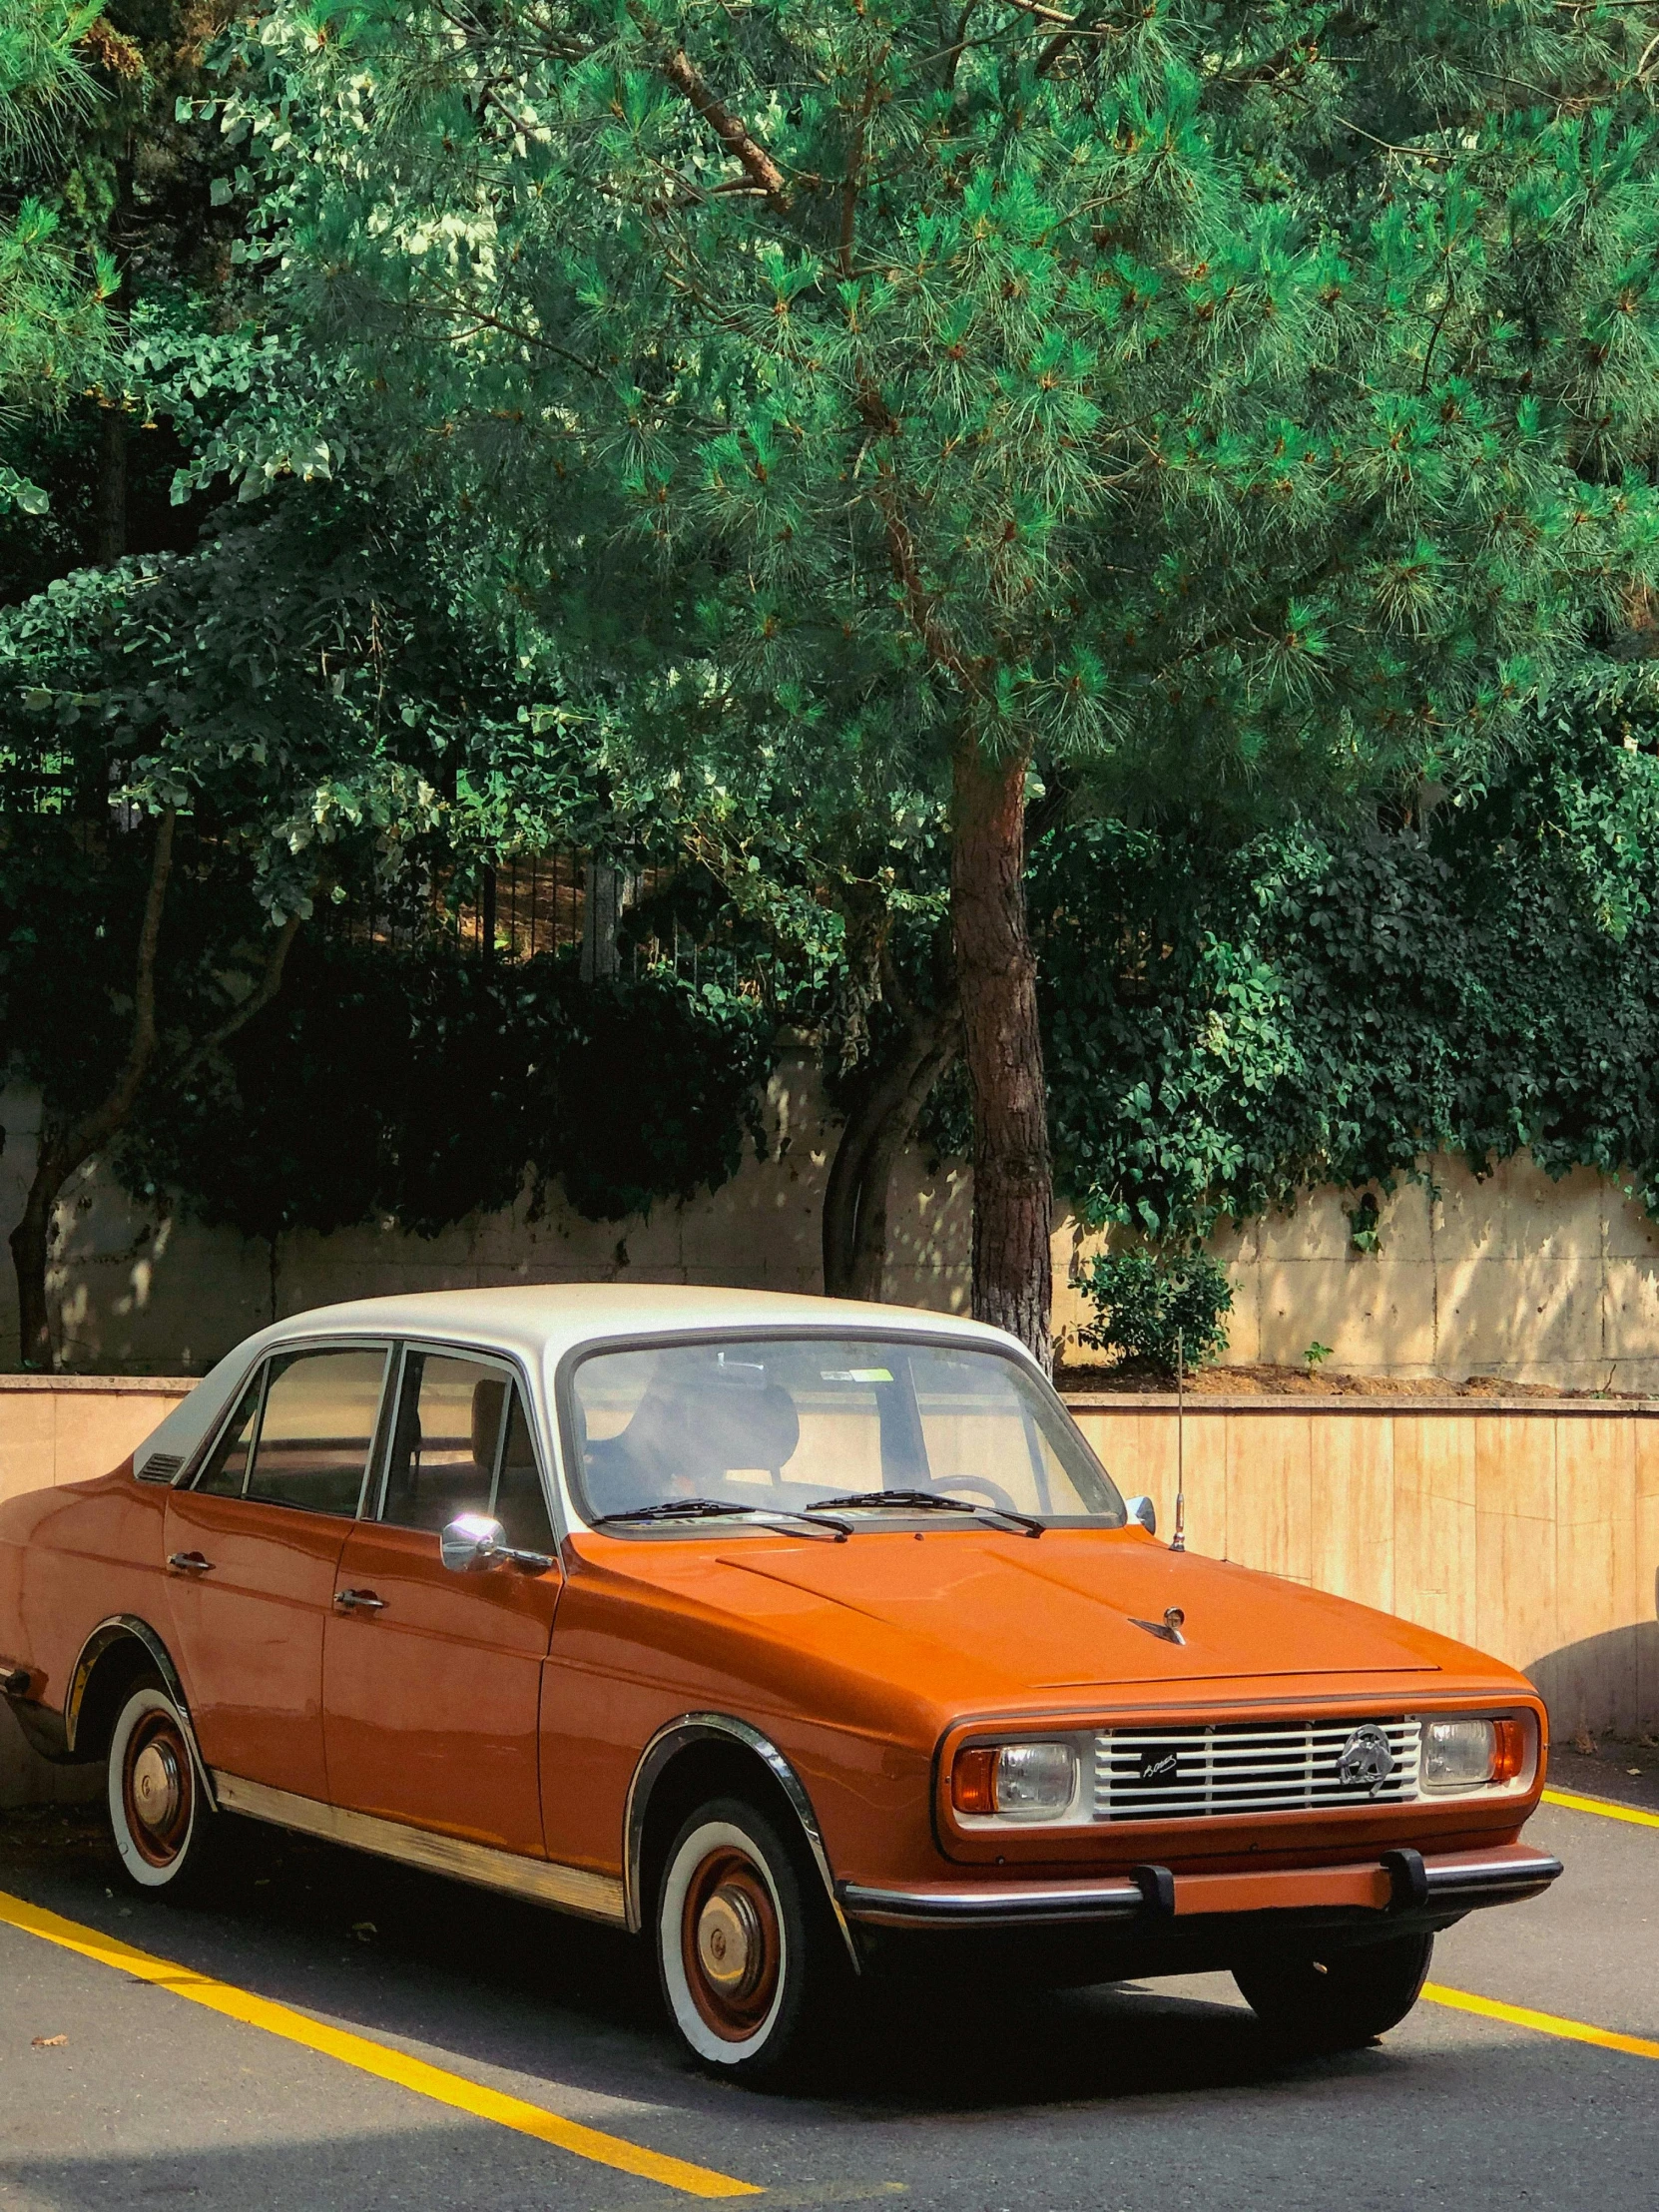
(1144, 1300)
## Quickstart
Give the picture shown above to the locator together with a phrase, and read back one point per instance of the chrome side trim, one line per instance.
(994, 1905)
(692, 1728)
(596, 1897)
(119, 1627)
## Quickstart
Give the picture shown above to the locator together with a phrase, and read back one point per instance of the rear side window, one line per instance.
(317, 1428)
(227, 1470)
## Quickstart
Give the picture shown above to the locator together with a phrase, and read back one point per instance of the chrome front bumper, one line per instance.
(1400, 1883)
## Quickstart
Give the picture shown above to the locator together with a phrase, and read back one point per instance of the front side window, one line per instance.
(786, 1425)
(315, 1429)
(461, 1444)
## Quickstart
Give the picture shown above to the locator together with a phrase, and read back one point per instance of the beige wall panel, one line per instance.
(1351, 1508)
(28, 1442)
(1269, 1482)
(1434, 1522)
(1209, 1528)
(1514, 1466)
(1516, 1614)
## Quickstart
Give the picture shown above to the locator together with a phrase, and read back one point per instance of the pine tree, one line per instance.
(1165, 394)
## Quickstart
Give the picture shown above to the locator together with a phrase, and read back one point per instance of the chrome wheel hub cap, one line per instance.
(156, 1787)
(730, 1948)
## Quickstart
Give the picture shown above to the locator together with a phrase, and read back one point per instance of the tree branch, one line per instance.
(682, 73)
(94, 1130)
(255, 1001)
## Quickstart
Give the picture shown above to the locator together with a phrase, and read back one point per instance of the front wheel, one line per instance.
(159, 1816)
(1342, 2001)
(747, 1960)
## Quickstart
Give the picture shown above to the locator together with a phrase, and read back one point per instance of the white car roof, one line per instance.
(541, 1322)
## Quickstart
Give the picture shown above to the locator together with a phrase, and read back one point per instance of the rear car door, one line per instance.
(252, 1548)
(432, 1678)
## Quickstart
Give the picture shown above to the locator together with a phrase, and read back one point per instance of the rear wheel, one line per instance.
(744, 1951)
(159, 1815)
(1341, 2001)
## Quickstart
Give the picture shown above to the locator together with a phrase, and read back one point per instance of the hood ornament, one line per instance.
(1168, 1630)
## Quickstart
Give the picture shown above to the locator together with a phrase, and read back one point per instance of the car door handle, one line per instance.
(359, 1602)
(189, 1563)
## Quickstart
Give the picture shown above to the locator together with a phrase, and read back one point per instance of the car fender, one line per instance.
(672, 1738)
(128, 1628)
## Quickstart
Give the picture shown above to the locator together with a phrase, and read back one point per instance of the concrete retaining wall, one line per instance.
(1516, 1275)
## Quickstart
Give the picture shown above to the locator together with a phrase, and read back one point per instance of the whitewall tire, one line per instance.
(741, 1953)
(159, 1815)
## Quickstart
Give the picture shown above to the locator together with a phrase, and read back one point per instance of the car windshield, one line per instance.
(798, 1424)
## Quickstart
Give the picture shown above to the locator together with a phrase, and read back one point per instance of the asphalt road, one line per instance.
(1162, 2095)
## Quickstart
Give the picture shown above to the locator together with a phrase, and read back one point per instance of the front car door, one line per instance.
(432, 1678)
(252, 1548)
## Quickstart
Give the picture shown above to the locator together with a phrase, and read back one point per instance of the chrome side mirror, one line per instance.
(1139, 1509)
(473, 1541)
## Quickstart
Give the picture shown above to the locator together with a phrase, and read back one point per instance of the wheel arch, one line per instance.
(116, 1651)
(723, 1747)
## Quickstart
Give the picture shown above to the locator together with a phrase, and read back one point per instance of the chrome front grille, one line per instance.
(1164, 1774)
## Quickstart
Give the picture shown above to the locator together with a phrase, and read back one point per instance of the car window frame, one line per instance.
(291, 1347)
(519, 1380)
(564, 1398)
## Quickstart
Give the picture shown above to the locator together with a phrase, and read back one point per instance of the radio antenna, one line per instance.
(1178, 1542)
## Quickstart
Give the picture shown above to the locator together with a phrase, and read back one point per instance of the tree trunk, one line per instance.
(876, 1132)
(64, 1149)
(30, 1242)
(870, 1243)
(996, 976)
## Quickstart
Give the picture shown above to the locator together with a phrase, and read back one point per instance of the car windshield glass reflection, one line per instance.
(794, 1424)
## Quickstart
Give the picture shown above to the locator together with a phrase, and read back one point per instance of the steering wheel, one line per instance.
(993, 1492)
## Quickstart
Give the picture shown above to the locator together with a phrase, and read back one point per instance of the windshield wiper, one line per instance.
(720, 1508)
(921, 1501)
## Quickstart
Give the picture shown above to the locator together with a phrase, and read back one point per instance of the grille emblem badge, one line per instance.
(1365, 1761)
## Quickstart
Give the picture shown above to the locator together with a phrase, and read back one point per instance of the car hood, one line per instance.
(984, 1614)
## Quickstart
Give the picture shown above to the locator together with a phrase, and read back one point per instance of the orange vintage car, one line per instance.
(793, 1635)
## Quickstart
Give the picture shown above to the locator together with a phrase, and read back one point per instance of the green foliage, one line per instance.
(295, 690)
(1213, 395)
(428, 1085)
(1225, 1027)
(1158, 1305)
(53, 303)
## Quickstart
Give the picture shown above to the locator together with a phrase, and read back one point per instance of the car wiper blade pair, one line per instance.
(921, 1501)
(721, 1508)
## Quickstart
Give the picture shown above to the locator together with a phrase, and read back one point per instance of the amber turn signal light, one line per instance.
(973, 1780)
(1509, 1750)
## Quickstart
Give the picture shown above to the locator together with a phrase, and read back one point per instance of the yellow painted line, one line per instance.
(1545, 2024)
(1604, 1806)
(374, 2058)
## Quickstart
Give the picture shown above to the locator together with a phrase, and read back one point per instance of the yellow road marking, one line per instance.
(1546, 2023)
(374, 2058)
(1604, 1806)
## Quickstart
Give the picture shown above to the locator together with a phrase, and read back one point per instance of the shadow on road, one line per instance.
(500, 1984)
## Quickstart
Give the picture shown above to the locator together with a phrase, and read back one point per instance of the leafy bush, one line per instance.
(428, 1085)
(1145, 1300)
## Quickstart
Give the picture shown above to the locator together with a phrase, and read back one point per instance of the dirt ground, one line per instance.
(1137, 1377)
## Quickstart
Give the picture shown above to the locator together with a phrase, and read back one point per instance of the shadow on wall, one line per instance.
(1605, 1684)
